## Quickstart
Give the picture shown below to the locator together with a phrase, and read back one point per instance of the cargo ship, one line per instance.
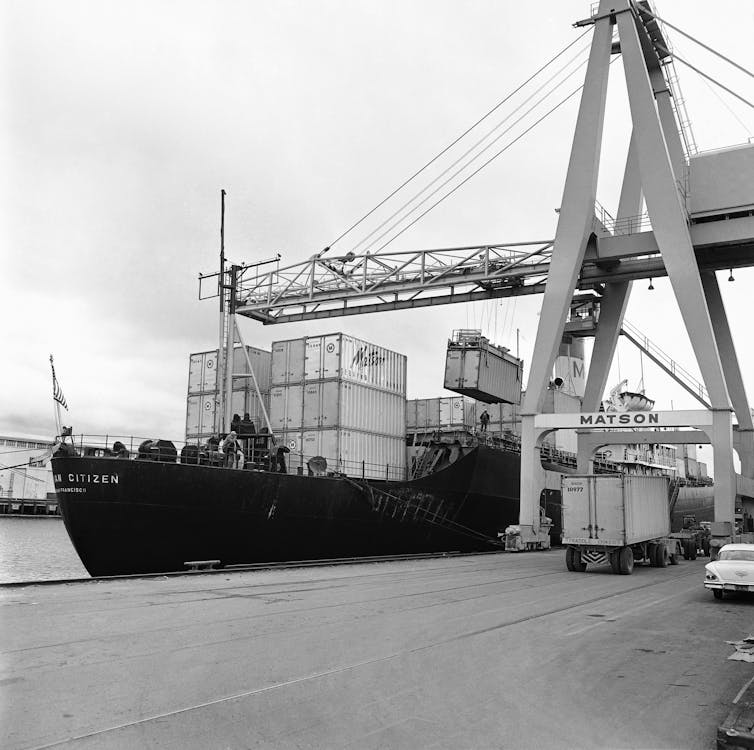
(322, 470)
(344, 466)
(153, 513)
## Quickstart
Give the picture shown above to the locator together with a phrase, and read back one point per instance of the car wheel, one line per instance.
(717, 593)
(626, 561)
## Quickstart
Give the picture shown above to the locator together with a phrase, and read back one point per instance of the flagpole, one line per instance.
(58, 421)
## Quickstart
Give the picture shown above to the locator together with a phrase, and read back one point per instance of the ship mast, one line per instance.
(224, 327)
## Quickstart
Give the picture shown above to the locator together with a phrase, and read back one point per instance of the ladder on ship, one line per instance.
(401, 509)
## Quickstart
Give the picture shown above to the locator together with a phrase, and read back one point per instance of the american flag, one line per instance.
(57, 391)
(58, 396)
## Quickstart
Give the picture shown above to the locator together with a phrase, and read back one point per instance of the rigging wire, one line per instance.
(407, 203)
(480, 168)
(450, 145)
(710, 78)
(701, 44)
(473, 159)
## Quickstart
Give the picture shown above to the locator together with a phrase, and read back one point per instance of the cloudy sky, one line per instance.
(121, 122)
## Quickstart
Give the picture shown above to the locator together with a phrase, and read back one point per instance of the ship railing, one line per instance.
(258, 454)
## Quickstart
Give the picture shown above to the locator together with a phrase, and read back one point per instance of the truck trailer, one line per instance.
(618, 519)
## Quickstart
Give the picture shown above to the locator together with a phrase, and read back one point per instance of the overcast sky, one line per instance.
(121, 123)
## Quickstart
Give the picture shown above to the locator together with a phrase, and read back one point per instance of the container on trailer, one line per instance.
(476, 368)
(614, 510)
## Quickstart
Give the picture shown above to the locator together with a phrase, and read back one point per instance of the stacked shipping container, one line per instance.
(203, 391)
(461, 413)
(341, 398)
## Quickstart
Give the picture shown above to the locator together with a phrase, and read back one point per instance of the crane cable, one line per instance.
(407, 203)
(473, 159)
(701, 44)
(712, 80)
(449, 146)
(480, 168)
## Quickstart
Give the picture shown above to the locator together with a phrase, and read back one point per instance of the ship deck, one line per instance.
(472, 651)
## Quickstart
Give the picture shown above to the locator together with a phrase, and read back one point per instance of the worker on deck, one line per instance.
(484, 420)
(230, 449)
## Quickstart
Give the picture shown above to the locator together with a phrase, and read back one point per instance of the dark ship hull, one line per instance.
(140, 516)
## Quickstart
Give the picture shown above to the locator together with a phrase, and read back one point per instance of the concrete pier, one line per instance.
(504, 651)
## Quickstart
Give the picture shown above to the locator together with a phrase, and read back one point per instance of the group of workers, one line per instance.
(243, 444)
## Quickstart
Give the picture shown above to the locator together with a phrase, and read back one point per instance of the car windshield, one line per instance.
(737, 554)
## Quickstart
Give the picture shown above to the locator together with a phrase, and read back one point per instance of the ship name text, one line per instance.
(90, 478)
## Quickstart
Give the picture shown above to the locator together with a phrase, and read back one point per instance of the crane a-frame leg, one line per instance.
(655, 156)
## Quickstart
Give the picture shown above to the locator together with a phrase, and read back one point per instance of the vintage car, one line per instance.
(733, 570)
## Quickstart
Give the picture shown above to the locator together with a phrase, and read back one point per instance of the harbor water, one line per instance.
(37, 549)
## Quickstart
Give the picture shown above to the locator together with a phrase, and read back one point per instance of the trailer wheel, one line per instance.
(615, 562)
(692, 549)
(573, 561)
(673, 558)
(717, 593)
(652, 554)
(626, 561)
(661, 556)
(705, 548)
(569, 559)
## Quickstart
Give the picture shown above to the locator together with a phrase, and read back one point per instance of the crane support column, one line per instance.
(574, 228)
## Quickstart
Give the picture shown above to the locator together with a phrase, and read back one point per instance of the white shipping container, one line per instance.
(200, 411)
(355, 453)
(428, 413)
(338, 356)
(614, 509)
(411, 414)
(288, 361)
(261, 362)
(286, 407)
(203, 370)
(452, 412)
(339, 403)
(483, 371)
(200, 415)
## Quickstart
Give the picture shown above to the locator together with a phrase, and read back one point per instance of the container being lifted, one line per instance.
(474, 367)
(617, 519)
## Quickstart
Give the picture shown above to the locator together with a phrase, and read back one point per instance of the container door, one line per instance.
(312, 405)
(279, 364)
(313, 363)
(578, 498)
(196, 373)
(193, 416)
(454, 369)
(609, 512)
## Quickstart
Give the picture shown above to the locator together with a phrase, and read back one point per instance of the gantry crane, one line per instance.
(683, 234)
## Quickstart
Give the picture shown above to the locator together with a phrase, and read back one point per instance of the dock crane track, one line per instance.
(349, 667)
